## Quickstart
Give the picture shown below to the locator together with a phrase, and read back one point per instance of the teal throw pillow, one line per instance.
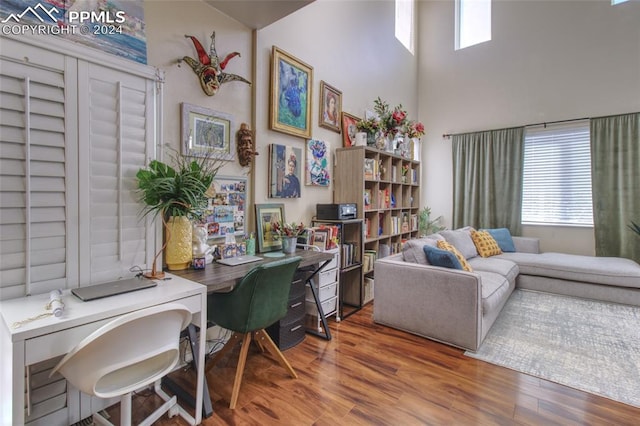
(439, 257)
(503, 238)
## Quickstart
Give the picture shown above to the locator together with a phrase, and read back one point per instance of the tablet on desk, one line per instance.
(112, 288)
(238, 260)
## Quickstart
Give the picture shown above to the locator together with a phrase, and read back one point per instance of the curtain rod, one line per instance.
(448, 135)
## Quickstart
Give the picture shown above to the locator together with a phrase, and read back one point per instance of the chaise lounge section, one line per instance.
(458, 307)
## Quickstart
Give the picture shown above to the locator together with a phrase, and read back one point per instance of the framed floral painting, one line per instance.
(317, 167)
(291, 83)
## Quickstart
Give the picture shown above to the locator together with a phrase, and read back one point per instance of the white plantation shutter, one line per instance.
(36, 173)
(557, 174)
(115, 142)
(73, 134)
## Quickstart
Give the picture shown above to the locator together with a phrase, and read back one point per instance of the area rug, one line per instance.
(584, 344)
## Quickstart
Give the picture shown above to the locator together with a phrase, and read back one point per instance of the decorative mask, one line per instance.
(245, 147)
(209, 69)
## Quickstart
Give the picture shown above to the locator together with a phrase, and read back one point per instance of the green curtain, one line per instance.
(615, 175)
(487, 179)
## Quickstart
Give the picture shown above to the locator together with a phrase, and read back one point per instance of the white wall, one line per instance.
(351, 46)
(548, 60)
(167, 23)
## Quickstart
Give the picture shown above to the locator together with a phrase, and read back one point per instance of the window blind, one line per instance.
(119, 107)
(557, 175)
(34, 179)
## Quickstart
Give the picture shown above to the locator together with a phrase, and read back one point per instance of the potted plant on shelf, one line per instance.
(289, 233)
(178, 195)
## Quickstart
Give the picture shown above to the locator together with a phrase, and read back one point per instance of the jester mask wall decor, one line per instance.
(209, 69)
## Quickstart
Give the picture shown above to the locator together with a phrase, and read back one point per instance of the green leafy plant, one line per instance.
(177, 191)
(426, 225)
(634, 227)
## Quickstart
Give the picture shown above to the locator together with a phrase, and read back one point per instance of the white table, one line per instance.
(48, 337)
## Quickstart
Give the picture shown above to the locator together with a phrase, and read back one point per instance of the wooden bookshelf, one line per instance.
(390, 215)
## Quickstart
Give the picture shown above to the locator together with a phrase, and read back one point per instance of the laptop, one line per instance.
(113, 288)
(238, 260)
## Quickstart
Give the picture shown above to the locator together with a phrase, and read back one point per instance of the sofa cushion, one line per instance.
(461, 239)
(495, 289)
(504, 267)
(503, 238)
(412, 249)
(485, 244)
(449, 247)
(598, 270)
(439, 257)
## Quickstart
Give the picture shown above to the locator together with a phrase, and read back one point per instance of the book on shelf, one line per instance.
(367, 227)
(404, 227)
(414, 222)
(369, 168)
(368, 200)
(369, 259)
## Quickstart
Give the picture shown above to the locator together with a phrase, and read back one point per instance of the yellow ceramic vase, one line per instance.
(178, 253)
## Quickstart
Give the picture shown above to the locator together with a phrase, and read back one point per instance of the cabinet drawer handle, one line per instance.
(295, 328)
(295, 305)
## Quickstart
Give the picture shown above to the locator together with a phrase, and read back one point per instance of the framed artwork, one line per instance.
(349, 129)
(226, 210)
(266, 216)
(317, 167)
(285, 165)
(330, 107)
(207, 133)
(291, 83)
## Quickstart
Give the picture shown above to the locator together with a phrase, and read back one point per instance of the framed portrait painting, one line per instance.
(349, 129)
(317, 167)
(330, 107)
(207, 133)
(291, 83)
(266, 216)
(285, 171)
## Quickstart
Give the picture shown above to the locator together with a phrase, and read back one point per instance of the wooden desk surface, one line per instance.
(217, 276)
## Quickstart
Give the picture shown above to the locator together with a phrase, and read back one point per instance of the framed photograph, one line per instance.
(285, 171)
(266, 216)
(207, 133)
(349, 129)
(317, 167)
(225, 213)
(330, 107)
(291, 83)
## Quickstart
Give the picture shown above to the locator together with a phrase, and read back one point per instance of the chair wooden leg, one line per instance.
(275, 351)
(246, 341)
(231, 343)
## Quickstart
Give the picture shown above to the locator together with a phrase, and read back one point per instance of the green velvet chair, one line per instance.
(257, 301)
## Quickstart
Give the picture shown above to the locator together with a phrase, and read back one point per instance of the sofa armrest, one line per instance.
(438, 303)
(526, 244)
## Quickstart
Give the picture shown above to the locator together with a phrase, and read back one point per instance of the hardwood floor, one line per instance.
(374, 375)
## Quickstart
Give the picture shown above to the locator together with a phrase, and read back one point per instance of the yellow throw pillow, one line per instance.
(448, 247)
(485, 243)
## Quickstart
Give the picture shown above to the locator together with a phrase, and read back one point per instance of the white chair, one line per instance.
(126, 354)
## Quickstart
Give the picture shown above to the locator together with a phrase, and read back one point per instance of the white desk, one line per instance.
(49, 337)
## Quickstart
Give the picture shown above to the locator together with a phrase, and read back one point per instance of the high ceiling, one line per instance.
(258, 14)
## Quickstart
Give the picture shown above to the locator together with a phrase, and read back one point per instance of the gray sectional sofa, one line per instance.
(458, 308)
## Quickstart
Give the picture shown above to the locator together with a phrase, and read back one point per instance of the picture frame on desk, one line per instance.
(266, 216)
(320, 239)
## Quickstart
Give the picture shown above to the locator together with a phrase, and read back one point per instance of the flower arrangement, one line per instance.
(284, 229)
(390, 121)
